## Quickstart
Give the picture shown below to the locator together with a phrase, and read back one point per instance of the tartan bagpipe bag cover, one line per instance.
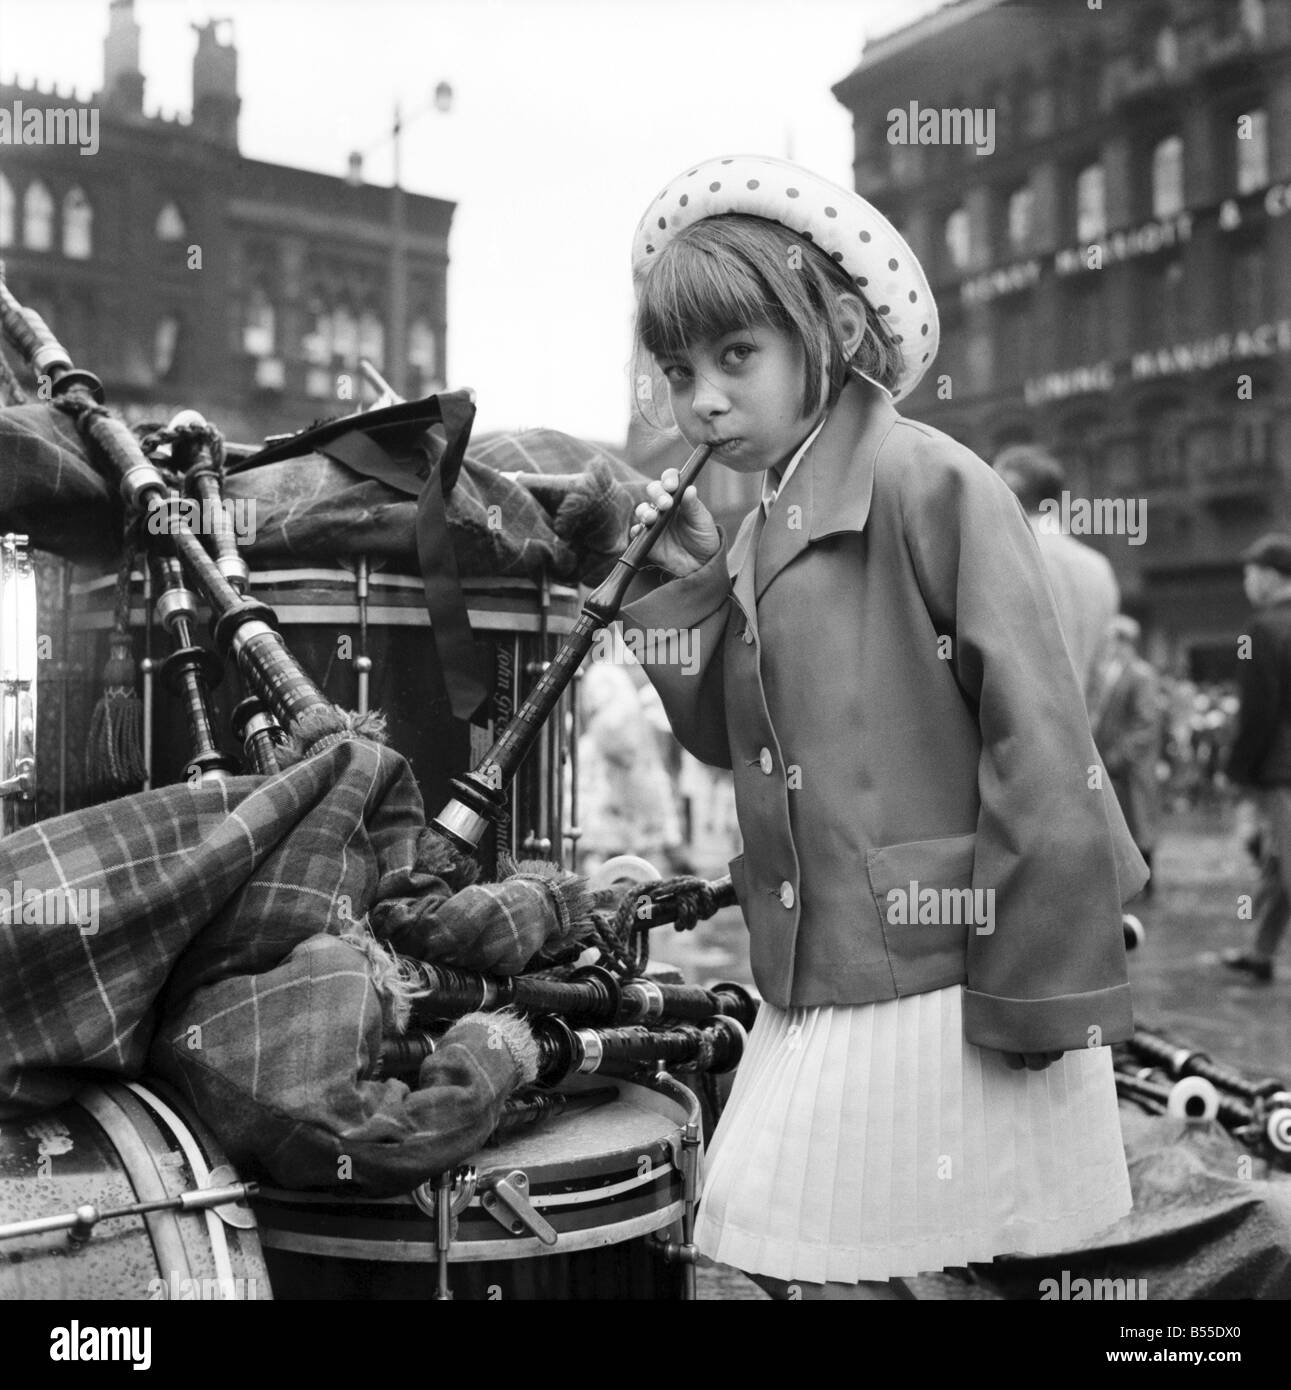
(224, 937)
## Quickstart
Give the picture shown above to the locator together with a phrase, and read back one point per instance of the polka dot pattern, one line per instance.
(846, 227)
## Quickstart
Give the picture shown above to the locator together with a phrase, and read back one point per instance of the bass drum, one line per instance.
(335, 635)
(608, 1181)
(112, 1146)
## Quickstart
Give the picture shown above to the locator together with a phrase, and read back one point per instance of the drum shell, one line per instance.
(109, 1147)
(318, 616)
(609, 1181)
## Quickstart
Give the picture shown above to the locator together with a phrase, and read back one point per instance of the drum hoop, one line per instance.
(129, 1140)
(472, 1252)
(377, 579)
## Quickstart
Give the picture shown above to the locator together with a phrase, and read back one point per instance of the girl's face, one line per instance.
(743, 390)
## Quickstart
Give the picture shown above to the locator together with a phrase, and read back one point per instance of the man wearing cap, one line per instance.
(1126, 721)
(1084, 586)
(1260, 758)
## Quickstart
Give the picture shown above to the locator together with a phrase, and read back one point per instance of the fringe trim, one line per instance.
(319, 729)
(507, 1028)
(570, 897)
(393, 987)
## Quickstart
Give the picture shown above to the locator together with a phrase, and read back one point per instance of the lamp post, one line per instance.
(396, 363)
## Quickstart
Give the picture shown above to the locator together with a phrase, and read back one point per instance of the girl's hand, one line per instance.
(1032, 1061)
(692, 538)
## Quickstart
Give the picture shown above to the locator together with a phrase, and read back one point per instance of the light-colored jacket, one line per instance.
(1087, 597)
(880, 663)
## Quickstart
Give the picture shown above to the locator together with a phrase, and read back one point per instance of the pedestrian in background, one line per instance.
(1084, 585)
(1260, 756)
(1125, 716)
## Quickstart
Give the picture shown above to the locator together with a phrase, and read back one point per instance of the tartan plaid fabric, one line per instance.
(315, 508)
(200, 930)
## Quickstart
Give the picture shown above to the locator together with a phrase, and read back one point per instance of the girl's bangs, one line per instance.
(693, 295)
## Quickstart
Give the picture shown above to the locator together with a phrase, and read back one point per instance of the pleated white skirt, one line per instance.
(873, 1142)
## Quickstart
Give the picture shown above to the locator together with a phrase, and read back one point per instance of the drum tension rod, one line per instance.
(446, 1198)
(80, 1224)
(685, 1152)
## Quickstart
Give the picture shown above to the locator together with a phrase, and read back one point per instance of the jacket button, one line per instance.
(747, 634)
(786, 893)
(766, 761)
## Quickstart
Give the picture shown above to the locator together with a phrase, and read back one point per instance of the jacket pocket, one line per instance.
(928, 908)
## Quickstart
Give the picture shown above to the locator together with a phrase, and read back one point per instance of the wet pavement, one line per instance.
(1179, 985)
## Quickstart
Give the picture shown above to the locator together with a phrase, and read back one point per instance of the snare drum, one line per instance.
(112, 1146)
(608, 1181)
(19, 645)
(338, 638)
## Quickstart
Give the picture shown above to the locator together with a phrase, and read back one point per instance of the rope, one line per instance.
(10, 388)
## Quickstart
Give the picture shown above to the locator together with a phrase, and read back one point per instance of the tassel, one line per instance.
(114, 750)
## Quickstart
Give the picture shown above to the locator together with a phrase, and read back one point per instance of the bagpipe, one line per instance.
(286, 708)
(1167, 1077)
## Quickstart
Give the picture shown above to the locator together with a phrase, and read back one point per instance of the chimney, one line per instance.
(215, 84)
(122, 80)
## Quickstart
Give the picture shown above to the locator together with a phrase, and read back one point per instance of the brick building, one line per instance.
(187, 275)
(1114, 274)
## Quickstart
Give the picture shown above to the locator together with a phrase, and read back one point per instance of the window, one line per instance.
(1091, 204)
(6, 212)
(1252, 439)
(1086, 332)
(1021, 212)
(258, 325)
(1252, 150)
(170, 224)
(422, 356)
(38, 218)
(1253, 18)
(1167, 177)
(78, 226)
(345, 336)
(165, 346)
(372, 339)
(317, 344)
(1166, 50)
(1247, 290)
(1166, 440)
(958, 239)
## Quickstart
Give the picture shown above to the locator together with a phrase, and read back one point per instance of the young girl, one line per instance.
(933, 864)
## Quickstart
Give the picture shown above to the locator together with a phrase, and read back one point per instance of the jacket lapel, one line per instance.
(829, 492)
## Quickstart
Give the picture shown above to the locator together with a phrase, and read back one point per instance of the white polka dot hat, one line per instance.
(841, 223)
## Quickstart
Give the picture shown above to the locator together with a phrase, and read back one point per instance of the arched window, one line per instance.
(165, 346)
(1020, 213)
(1166, 49)
(1252, 150)
(258, 325)
(78, 225)
(170, 224)
(38, 218)
(421, 350)
(1167, 177)
(372, 339)
(959, 240)
(1091, 204)
(345, 336)
(317, 344)
(1253, 18)
(6, 212)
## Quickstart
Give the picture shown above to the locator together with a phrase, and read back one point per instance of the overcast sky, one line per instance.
(569, 116)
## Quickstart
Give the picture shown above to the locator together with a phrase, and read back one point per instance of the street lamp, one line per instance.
(396, 364)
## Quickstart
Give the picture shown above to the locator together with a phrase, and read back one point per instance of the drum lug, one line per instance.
(506, 1200)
